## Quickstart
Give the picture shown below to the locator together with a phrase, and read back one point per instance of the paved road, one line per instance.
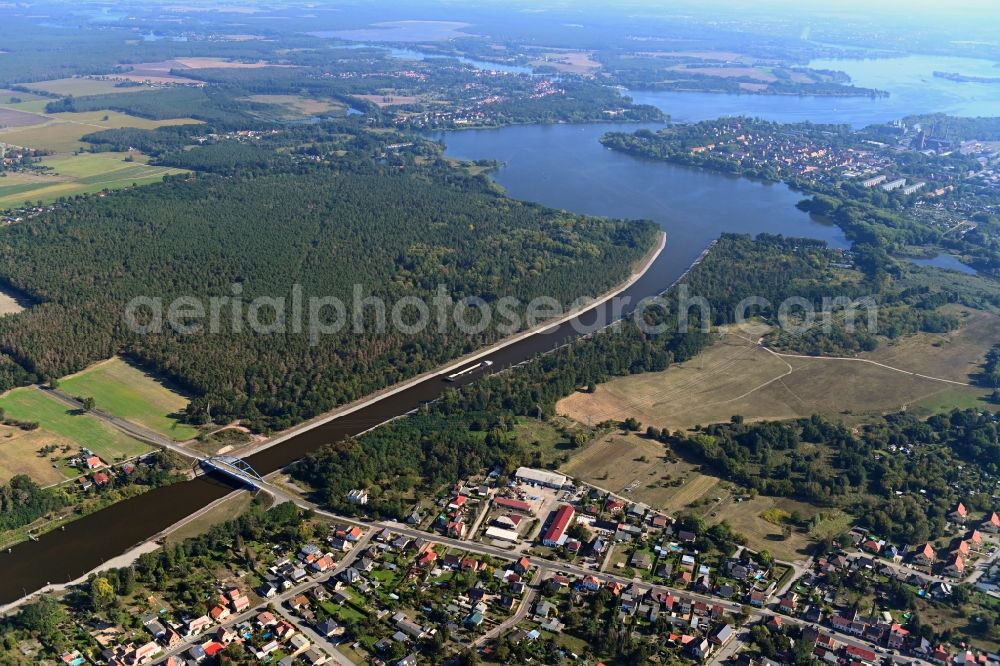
(729, 650)
(317, 640)
(522, 612)
(278, 600)
(129, 428)
(605, 577)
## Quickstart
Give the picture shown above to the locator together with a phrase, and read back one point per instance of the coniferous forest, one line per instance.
(269, 224)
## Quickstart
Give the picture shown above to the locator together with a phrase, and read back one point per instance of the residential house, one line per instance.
(219, 613)
(992, 524)
(641, 560)
(198, 625)
(298, 644)
(926, 555)
(427, 558)
(897, 637)
(956, 567)
(699, 648)
(329, 629)
(407, 626)
(862, 654)
(960, 513)
(144, 653)
(323, 564)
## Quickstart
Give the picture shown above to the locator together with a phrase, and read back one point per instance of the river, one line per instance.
(561, 166)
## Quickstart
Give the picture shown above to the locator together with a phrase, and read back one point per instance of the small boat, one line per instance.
(472, 368)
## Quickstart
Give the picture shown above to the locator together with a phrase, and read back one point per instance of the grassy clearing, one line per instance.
(548, 438)
(635, 467)
(125, 391)
(229, 509)
(643, 470)
(750, 517)
(81, 174)
(297, 106)
(24, 452)
(737, 377)
(9, 305)
(78, 87)
(32, 404)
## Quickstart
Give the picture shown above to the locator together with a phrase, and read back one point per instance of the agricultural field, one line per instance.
(79, 174)
(129, 393)
(62, 132)
(297, 106)
(79, 87)
(8, 97)
(569, 62)
(61, 426)
(15, 118)
(389, 99)
(221, 63)
(735, 376)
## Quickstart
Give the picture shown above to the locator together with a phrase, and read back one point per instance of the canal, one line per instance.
(562, 166)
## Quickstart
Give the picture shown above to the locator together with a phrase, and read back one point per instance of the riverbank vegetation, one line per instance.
(28, 510)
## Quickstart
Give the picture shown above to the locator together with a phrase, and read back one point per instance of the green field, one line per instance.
(127, 392)
(32, 404)
(78, 87)
(79, 174)
(61, 132)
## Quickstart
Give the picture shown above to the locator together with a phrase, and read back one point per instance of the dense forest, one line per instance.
(206, 104)
(900, 476)
(394, 233)
(955, 128)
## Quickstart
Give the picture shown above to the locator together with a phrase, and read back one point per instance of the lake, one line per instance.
(564, 166)
(946, 261)
(400, 31)
(909, 80)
